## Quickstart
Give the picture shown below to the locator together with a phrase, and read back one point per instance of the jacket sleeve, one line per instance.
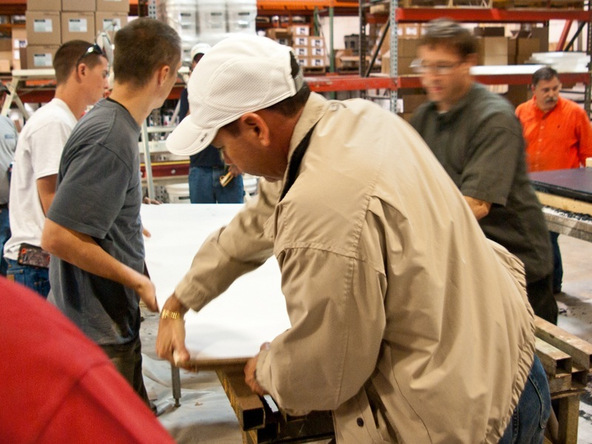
(336, 309)
(230, 252)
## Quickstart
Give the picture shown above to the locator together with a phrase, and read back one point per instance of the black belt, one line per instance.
(2, 206)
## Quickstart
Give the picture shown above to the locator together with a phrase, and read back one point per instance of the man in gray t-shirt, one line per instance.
(93, 228)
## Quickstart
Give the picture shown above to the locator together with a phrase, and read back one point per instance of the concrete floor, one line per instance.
(205, 415)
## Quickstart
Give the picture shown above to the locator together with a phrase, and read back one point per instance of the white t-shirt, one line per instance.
(38, 154)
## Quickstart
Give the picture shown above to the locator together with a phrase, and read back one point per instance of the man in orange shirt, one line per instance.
(558, 136)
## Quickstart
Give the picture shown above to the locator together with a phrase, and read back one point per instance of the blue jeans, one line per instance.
(204, 186)
(529, 420)
(4, 236)
(36, 278)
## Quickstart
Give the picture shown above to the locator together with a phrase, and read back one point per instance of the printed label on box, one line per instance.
(43, 25)
(316, 42)
(317, 51)
(77, 25)
(112, 24)
(42, 60)
(300, 41)
(301, 51)
(317, 63)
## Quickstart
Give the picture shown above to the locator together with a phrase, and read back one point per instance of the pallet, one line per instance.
(262, 421)
(567, 362)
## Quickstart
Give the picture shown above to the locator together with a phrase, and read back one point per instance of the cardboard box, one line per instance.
(40, 56)
(112, 5)
(409, 30)
(44, 5)
(278, 33)
(408, 47)
(492, 51)
(316, 42)
(316, 62)
(5, 44)
(524, 49)
(110, 22)
(301, 51)
(489, 31)
(403, 65)
(43, 28)
(298, 30)
(79, 5)
(299, 40)
(317, 52)
(78, 26)
(5, 64)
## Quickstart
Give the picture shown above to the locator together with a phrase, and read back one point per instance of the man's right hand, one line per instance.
(170, 342)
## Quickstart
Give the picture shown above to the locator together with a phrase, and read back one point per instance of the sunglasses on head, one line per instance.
(93, 49)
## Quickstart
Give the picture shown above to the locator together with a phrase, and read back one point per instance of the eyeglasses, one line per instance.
(93, 49)
(440, 69)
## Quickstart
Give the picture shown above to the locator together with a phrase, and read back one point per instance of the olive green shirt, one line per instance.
(479, 143)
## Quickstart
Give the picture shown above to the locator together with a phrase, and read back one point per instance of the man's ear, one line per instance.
(163, 73)
(81, 69)
(472, 59)
(256, 126)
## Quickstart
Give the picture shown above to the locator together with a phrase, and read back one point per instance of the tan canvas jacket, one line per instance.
(406, 321)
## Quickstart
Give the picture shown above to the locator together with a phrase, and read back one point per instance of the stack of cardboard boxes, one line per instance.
(309, 50)
(50, 23)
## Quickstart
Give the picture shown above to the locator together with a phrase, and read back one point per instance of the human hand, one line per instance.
(234, 170)
(170, 341)
(147, 292)
(149, 201)
(251, 373)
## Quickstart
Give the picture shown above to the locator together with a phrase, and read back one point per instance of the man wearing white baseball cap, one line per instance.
(400, 308)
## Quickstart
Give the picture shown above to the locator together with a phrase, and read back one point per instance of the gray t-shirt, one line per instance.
(8, 137)
(99, 193)
(479, 143)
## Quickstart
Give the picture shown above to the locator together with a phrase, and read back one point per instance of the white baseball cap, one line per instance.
(243, 73)
(200, 48)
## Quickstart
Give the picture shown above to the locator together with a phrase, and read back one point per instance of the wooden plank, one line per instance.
(568, 417)
(579, 376)
(247, 406)
(577, 348)
(559, 383)
(554, 360)
(564, 203)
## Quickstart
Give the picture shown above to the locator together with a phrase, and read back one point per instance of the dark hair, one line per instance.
(544, 73)
(143, 46)
(68, 56)
(447, 32)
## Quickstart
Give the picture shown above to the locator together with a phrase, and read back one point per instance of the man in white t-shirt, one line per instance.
(81, 70)
(8, 138)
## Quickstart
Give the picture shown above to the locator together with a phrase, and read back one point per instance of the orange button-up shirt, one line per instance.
(559, 139)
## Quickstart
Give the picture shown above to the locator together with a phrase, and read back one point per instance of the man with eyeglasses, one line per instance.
(93, 229)
(81, 80)
(478, 139)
